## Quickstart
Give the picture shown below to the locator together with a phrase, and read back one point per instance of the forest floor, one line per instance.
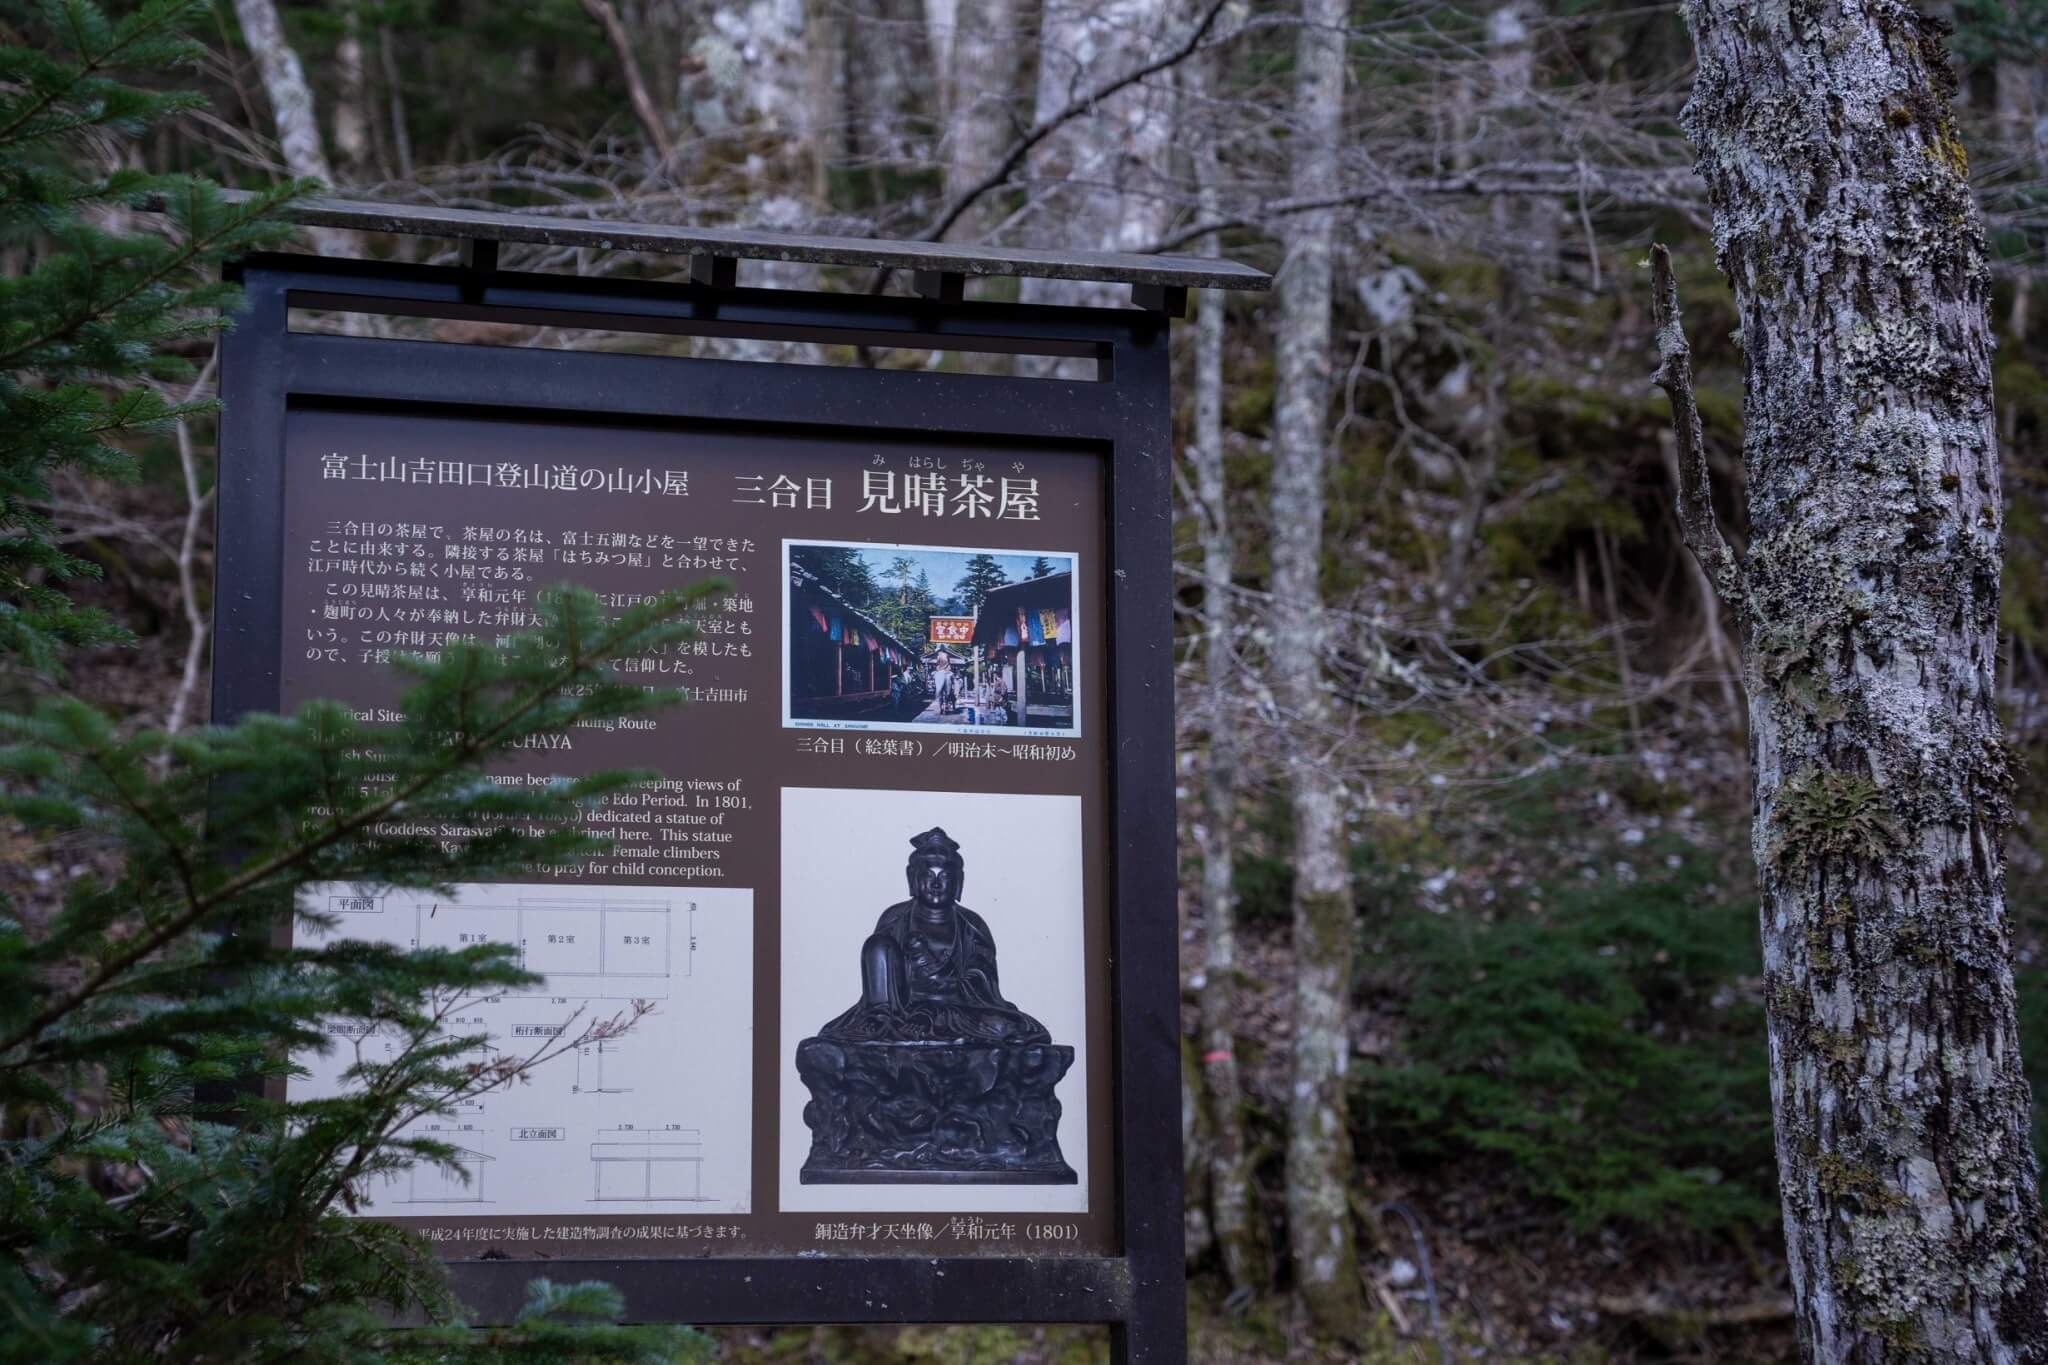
(1511, 1279)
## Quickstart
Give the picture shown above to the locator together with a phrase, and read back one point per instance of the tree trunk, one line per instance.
(284, 81)
(979, 59)
(1235, 1222)
(1527, 227)
(1197, 1236)
(1525, 236)
(291, 105)
(352, 105)
(975, 44)
(1100, 181)
(394, 84)
(645, 111)
(1319, 1138)
(2017, 79)
(941, 26)
(890, 82)
(825, 120)
(1845, 223)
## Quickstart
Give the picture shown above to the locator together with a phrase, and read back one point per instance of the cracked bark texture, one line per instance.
(1318, 1134)
(1844, 221)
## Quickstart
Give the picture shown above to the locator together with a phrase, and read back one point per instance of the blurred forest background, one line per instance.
(1532, 722)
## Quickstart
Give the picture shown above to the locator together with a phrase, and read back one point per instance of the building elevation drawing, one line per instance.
(663, 1120)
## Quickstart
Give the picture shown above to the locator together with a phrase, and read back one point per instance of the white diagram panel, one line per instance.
(653, 1120)
(629, 1166)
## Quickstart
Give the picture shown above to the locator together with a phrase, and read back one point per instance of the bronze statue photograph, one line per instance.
(932, 1075)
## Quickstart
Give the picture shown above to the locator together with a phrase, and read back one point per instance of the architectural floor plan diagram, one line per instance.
(650, 1119)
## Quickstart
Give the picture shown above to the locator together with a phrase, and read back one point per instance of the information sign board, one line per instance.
(897, 915)
(952, 630)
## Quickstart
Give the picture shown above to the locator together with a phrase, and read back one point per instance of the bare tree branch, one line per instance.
(636, 87)
(196, 505)
(1675, 188)
(1695, 492)
(1076, 107)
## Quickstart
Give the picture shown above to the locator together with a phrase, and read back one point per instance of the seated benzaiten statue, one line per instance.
(933, 1076)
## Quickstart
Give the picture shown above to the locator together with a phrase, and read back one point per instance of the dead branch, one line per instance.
(1674, 188)
(196, 506)
(1695, 491)
(1651, 1308)
(1725, 654)
(636, 87)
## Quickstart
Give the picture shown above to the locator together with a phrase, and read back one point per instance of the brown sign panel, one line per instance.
(896, 917)
(866, 898)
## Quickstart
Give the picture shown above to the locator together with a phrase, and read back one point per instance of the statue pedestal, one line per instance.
(933, 1113)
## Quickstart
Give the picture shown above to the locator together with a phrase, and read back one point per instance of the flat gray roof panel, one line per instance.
(421, 220)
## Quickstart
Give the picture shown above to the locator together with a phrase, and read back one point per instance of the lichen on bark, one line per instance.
(1869, 605)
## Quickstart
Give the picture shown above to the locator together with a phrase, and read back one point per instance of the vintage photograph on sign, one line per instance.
(656, 1120)
(934, 1054)
(916, 637)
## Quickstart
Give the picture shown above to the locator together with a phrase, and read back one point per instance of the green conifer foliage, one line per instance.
(97, 308)
(983, 576)
(142, 1217)
(158, 1200)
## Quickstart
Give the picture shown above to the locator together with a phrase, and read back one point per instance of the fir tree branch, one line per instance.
(481, 1080)
(167, 18)
(188, 253)
(140, 809)
(577, 660)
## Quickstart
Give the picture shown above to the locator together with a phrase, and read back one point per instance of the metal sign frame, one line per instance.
(1124, 413)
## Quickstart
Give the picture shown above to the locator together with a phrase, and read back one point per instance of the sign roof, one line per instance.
(427, 220)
